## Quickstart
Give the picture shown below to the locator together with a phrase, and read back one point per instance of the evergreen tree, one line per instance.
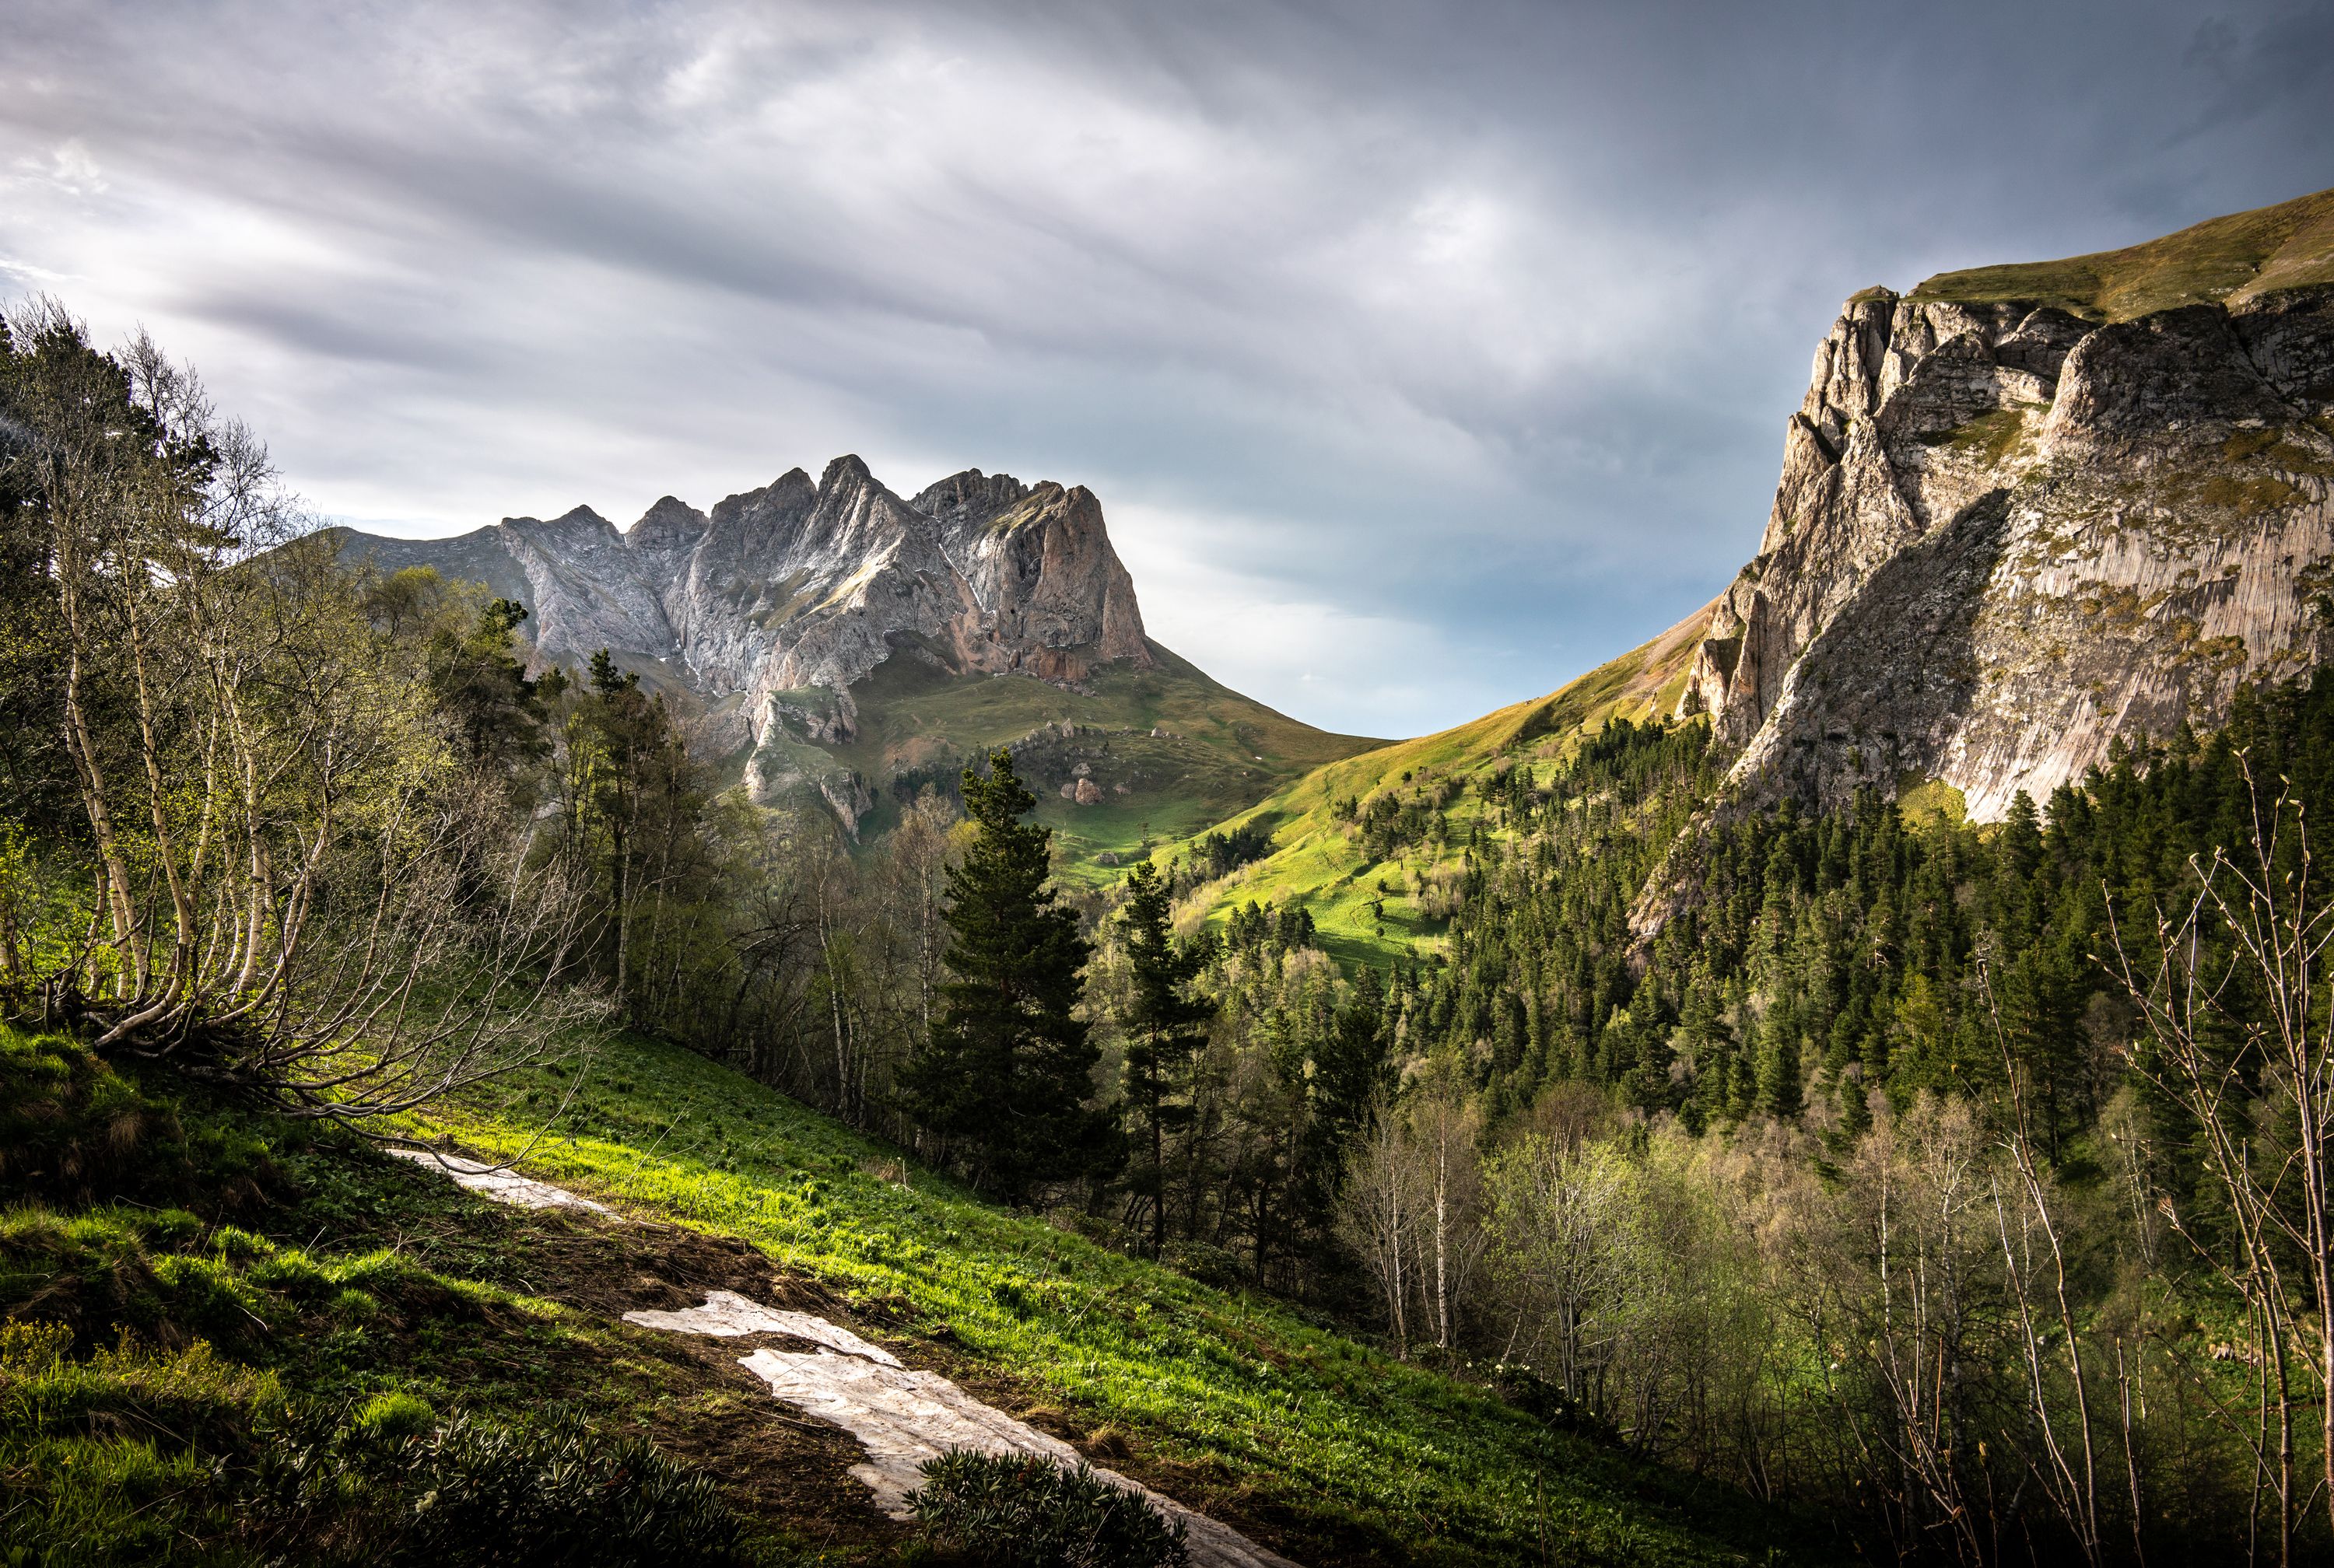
(1165, 1023)
(482, 686)
(1005, 1076)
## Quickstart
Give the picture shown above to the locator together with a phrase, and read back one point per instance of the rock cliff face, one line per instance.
(774, 604)
(2006, 535)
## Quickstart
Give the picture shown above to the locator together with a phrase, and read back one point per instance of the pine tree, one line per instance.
(1165, 1023)
(1005, 1076)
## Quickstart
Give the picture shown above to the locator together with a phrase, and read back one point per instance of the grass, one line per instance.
(1230, 1402)
(334, 1291)
(2225, 259)
(1317, 864)
(1213, 752)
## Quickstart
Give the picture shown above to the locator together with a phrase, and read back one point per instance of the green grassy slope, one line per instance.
(1170, 746)
(1317, 862)
(1331, 1451)
(2232, 258)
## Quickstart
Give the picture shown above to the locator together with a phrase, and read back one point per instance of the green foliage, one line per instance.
(1165, 1023)
(552, 1491)
(1006, 1075)
(1018, 1511)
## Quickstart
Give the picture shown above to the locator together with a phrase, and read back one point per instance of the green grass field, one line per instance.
(1234, 1403)
(1213, 752)
(1316, 863)
(2232, 258)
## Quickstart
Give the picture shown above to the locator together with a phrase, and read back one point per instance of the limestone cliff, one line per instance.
(771, 607)
(2010, 529)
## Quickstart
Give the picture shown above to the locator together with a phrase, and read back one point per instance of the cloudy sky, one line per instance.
(1424, 355)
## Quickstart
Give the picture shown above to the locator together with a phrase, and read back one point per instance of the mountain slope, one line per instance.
(2023, 511)
(1369, 908)
(836, 642)
(2226, 261)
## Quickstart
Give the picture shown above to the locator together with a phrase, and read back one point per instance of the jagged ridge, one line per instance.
(772, 606)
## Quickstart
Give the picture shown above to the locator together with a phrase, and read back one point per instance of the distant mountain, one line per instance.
(835, 640)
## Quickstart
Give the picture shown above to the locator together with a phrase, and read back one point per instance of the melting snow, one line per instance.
(726, 1314)
(901, 1416)
(499, 1184)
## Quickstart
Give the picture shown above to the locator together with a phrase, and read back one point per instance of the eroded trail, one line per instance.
(899, 1416)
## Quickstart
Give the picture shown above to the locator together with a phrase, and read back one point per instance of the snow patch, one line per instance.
(499, 1184)
(726, 1314)
(903, 1417)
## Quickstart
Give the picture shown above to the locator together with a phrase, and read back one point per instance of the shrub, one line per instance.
(1019, 1511)
(72, 1127)
(553, 1491)
(394, 1415)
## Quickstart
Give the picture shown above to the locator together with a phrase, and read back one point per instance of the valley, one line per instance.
(1842, 1080)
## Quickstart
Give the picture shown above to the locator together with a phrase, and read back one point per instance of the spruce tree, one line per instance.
(1165, 1023)
(1005, 1076)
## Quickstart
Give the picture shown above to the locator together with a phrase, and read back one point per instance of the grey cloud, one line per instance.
(1463, 331)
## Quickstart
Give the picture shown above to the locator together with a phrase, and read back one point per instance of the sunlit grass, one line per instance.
(1230, 1392)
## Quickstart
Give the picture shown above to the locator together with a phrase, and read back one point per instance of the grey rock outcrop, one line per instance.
(2004, 535)
(772, 606)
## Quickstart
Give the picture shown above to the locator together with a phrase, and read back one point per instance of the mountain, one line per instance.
(1364, 907)
(2025, 510)
(830, 638)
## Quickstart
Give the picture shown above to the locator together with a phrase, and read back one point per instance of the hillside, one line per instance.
(316, 1266)
(1369, 910)
(1169, 749)
(2223, 261)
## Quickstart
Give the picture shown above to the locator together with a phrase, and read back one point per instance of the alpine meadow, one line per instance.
(798, 1029)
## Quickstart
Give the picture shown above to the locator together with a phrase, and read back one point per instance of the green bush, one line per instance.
(553, 1493)
(392, 1416)
(1018, 1511)
(72, 1126)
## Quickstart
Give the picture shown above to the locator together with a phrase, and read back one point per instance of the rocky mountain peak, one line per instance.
(2007, 532)
(770, 607)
